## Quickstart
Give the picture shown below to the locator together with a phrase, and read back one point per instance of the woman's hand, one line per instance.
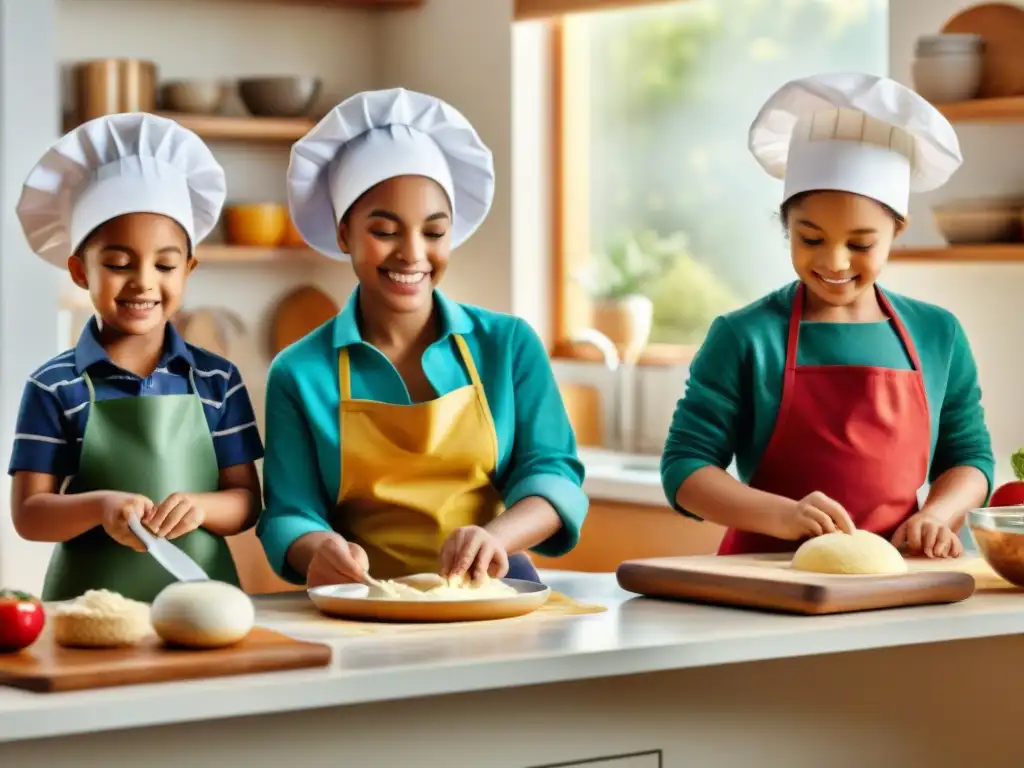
(476, 551)
(923, 534)
(336, 561)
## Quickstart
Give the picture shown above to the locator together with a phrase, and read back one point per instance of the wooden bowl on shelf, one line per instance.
(256, 224)
(973, 222)
(279, 96)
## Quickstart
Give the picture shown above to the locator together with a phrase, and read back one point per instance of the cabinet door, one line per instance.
(640, 760)
(614, 532)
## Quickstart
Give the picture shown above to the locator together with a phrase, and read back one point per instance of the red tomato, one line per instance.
(1011, 494)
(21, 620)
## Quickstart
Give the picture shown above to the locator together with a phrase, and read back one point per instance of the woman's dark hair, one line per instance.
(787, 206)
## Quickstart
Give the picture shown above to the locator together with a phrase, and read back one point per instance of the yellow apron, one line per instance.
(412, 474)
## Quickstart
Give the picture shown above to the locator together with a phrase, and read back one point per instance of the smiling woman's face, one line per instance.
(839, 243)
(398, 235)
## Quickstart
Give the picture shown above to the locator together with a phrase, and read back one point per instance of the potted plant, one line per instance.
(619, 279)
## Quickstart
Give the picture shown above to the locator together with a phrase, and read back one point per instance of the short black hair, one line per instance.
(787, 206)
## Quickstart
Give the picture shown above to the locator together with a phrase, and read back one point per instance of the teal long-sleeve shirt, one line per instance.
(536, 445)
(732, 397)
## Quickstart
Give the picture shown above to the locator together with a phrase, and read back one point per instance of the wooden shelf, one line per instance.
(991, 252)
(256, 129)
(244, 254)
(1006, 110)
(378, 5)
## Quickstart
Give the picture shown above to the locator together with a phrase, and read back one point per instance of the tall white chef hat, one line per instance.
(854, 133)
(118, 164)
(378, 135)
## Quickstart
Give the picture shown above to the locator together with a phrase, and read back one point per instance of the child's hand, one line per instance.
(922, 534)
(175, 516)
(118, 508)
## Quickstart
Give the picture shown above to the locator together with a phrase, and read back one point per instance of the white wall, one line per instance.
(985, 297)
(28, 287)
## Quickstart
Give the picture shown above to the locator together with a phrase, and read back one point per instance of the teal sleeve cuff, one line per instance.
(674, 474)
(278, 532)
(569, 501)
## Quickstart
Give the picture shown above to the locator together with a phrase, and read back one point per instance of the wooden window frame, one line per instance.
(570, 224)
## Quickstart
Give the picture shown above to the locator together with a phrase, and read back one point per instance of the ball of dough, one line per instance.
(861, 552)
(202, 614)
(100, 619)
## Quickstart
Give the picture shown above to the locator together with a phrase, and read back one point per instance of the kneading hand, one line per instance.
(176, 515)
(473, 550)
(336, 561)
(923, 534)
(814, 515)
(118, 509)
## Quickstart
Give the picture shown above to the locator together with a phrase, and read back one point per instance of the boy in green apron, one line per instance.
(132, 421)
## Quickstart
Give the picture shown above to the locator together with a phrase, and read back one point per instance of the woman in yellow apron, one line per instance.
(410, 433)
(132, 421)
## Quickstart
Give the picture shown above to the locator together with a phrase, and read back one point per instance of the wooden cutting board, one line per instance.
(1001, 26)
(46, 667)
(766, 582)
(299, 313)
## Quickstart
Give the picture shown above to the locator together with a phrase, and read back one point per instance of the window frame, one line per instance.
(570, 177)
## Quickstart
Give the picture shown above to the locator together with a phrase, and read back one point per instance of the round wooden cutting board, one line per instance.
(1001, 26)
(211, 328)
(299, 313)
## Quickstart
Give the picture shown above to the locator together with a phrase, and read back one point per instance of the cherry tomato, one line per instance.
(21, 620)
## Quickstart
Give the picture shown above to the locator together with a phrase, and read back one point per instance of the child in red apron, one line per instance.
(838, 400)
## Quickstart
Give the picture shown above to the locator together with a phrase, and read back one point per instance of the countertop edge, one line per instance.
(221, 698)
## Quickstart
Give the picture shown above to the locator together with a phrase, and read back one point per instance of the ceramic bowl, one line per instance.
(256, 224)
(200, 97)
(979, 221)
(279, 96)
(942, 78)
(928, 45)
(999, 535)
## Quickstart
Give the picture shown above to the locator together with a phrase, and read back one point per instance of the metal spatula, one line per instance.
(175, 562)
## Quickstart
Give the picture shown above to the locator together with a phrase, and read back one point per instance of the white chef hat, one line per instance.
(854, 133)
(117, 164)
(378, 135)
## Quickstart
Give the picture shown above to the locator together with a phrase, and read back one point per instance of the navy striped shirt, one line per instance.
(55, 403)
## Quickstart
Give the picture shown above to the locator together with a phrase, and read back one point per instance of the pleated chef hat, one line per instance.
(378, 135)
(854, 133)
(126, 163)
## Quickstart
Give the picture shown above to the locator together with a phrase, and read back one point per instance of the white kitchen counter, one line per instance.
(635, 636)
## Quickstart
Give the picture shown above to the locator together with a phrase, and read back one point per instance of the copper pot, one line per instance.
(109, 86)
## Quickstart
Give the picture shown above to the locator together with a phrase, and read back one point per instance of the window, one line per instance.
(657, 195)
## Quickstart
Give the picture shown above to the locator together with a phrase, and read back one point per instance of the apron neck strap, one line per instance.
(344, 377)
(88, 384)
(467, 360)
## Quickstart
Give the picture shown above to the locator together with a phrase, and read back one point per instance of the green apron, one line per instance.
(151, 445)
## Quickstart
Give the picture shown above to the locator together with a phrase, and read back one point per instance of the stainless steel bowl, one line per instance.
(999, 534)
(279, 96)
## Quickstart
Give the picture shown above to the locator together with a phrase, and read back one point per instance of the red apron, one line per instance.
(859, 434)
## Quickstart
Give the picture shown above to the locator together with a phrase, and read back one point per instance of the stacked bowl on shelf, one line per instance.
(981, 221)
(948, 67)
(278, 96)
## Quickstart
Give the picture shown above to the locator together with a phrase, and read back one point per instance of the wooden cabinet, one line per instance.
(614, 532)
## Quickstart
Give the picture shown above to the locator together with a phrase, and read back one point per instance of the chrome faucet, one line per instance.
(622, 411)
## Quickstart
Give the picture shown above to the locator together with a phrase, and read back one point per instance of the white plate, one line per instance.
(350, 601)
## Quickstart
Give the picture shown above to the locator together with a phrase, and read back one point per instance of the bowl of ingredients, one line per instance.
(256, 224)
(198, 97)
(948, 68)
(969, 222)
(999, 534)
(282, 96)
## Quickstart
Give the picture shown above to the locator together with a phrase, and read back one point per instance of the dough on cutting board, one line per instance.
(861, 552)
(202, 614)
(100, 619)
(455, 588)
